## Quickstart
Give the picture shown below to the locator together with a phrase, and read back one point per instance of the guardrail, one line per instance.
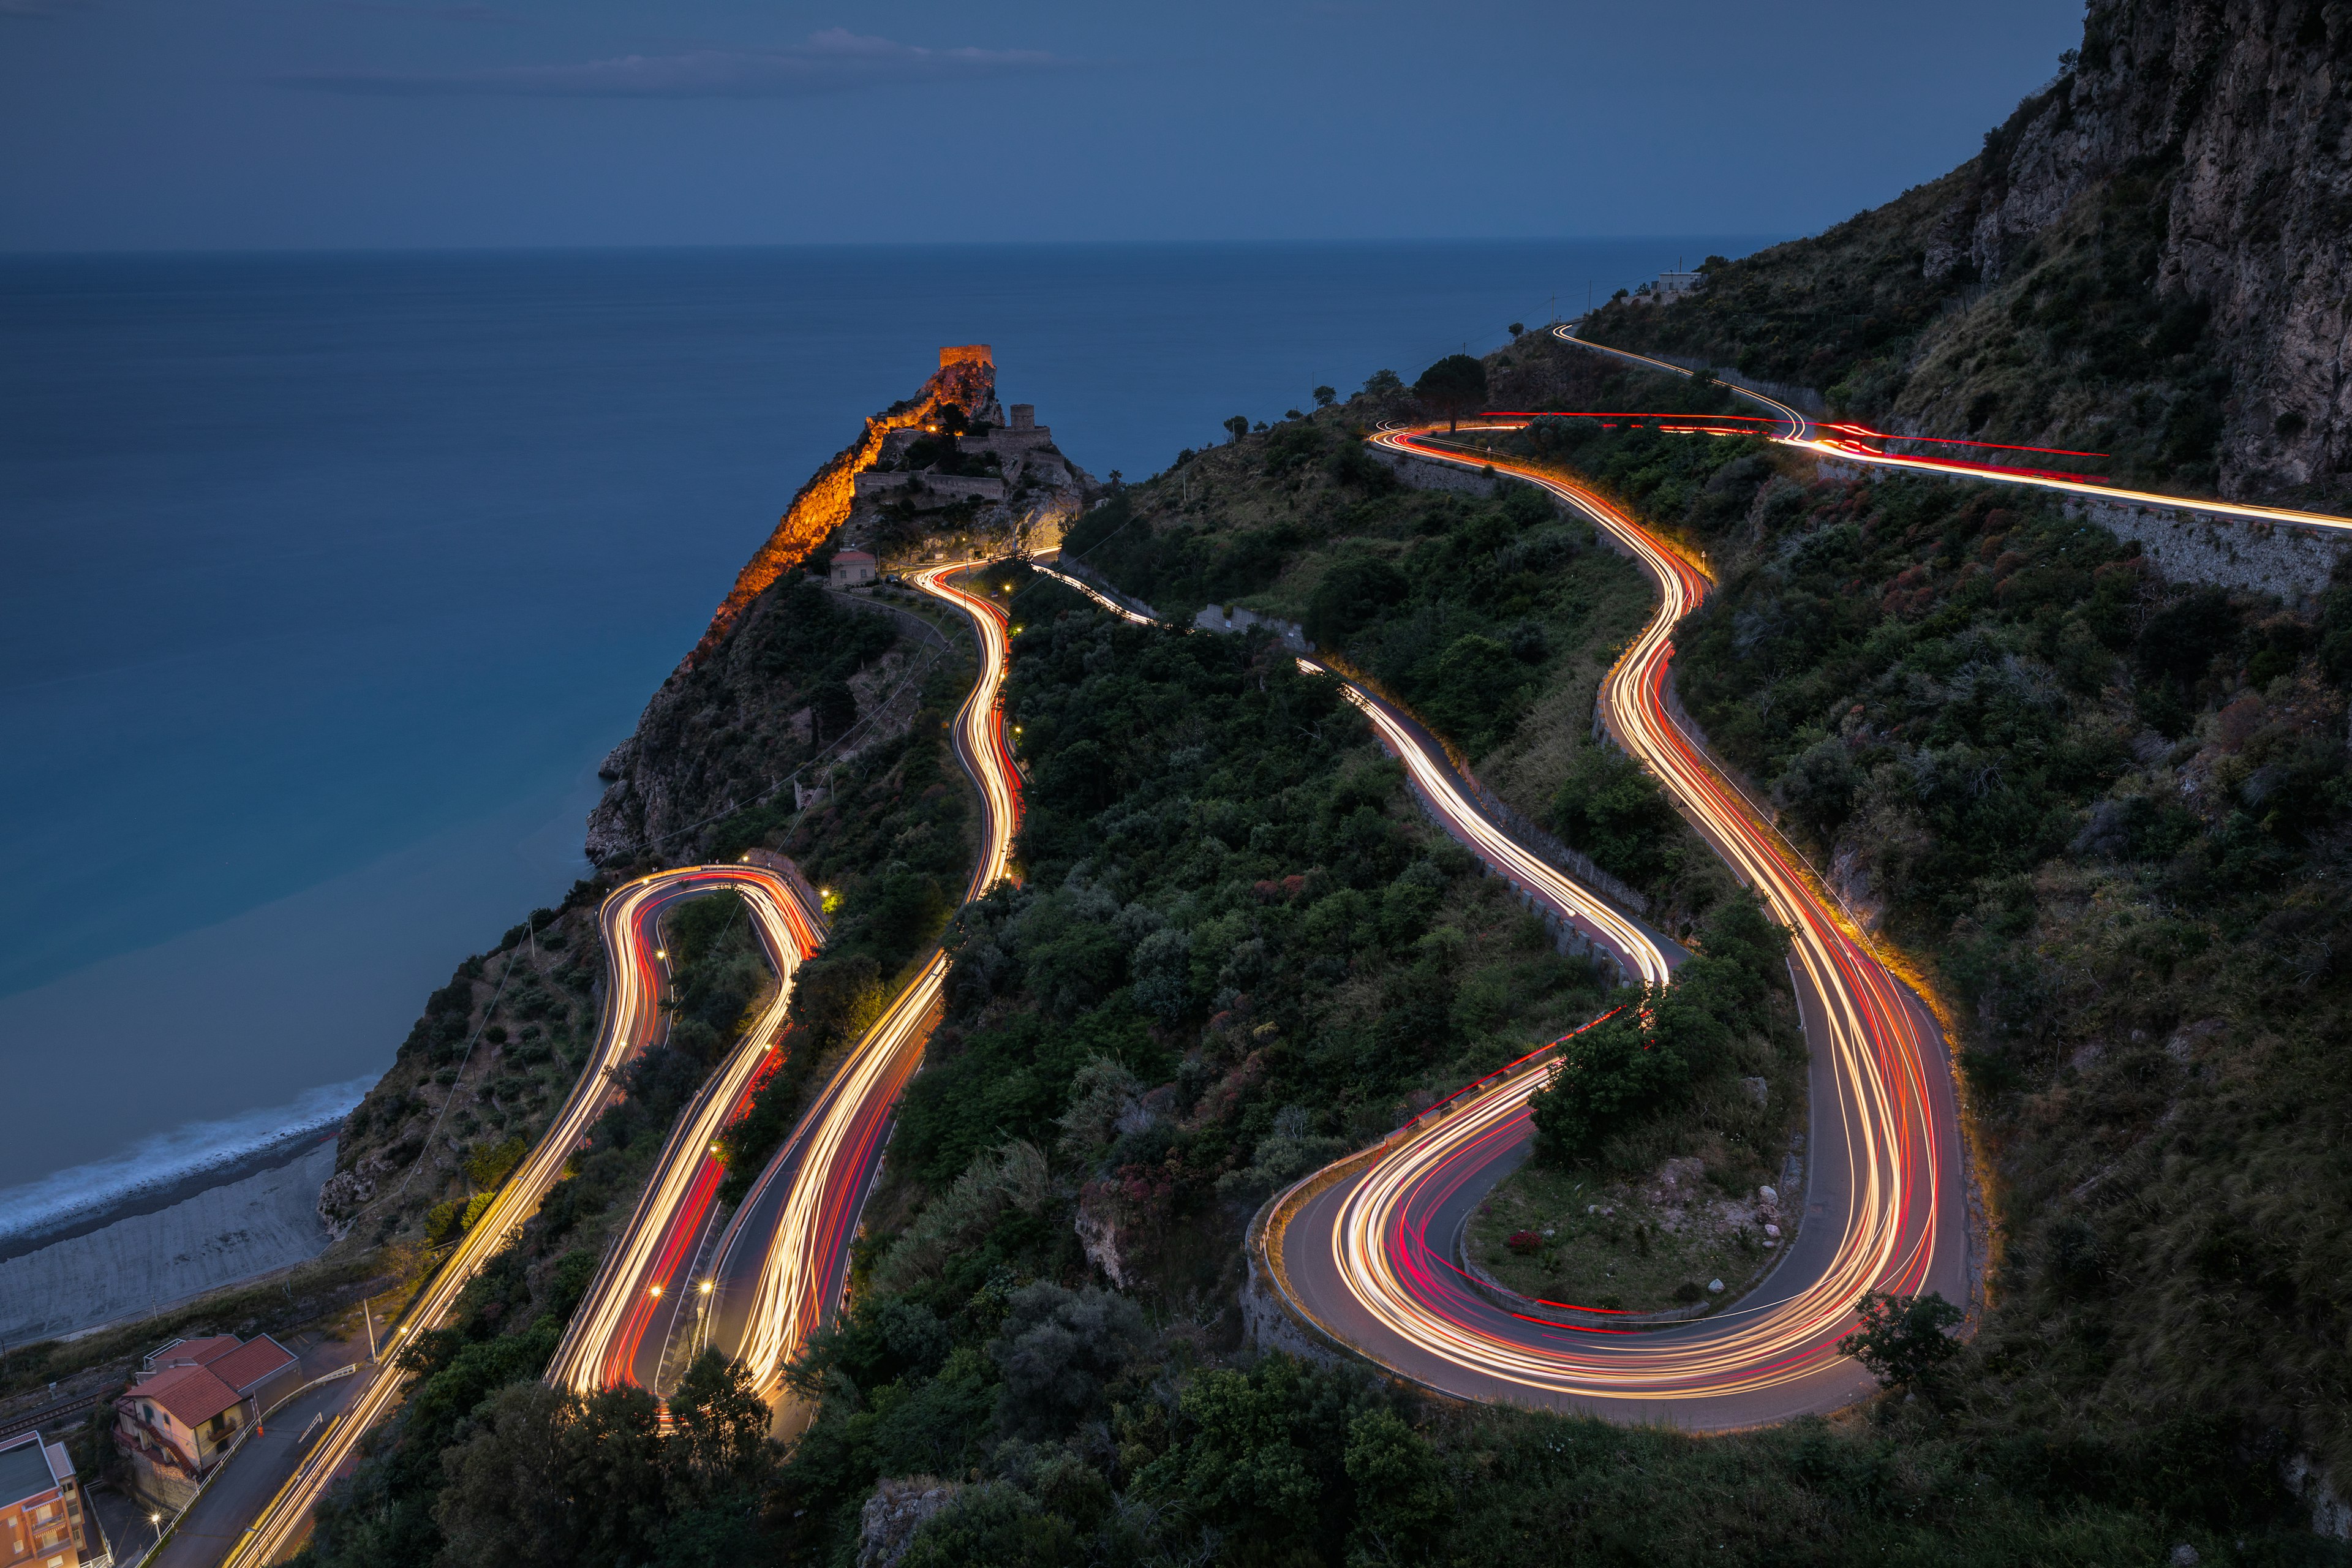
(163, 1536)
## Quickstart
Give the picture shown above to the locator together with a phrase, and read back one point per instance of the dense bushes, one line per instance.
(2104, 809)
(719, 975)
(1646, 1060)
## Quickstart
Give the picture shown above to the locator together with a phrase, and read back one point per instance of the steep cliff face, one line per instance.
(2151, 258)
(2244, 105)
(750, 703)
(966, 376)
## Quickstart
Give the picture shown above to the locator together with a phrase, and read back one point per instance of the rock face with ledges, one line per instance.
(2251, 102)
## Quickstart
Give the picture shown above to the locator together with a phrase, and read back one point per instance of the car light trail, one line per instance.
(1801, 432)
(603, 1346)
(821, 1176)
(783, 1262)
(631, 1011)
(1366, 1255)
(1634, 950)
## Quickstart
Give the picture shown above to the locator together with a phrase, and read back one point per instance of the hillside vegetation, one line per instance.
(2109, 813)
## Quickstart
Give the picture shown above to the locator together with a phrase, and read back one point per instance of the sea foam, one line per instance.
(80, 1193)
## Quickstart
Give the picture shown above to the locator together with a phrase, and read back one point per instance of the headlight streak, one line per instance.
(1399, 1289)
(803, 1266)
(1636, 953)
(601, 1349)
(630, 1011)
(798, 1267)
(1801, 432)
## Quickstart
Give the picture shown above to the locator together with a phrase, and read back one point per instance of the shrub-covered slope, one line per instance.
(2148, 258)
(2109, 815)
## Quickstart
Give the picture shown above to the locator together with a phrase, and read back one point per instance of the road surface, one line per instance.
(778, 1270)
(1853, 444)
(645, 1296)
(1367, 1255)
(250, 1480)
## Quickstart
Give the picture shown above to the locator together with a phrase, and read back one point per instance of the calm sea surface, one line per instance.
(329, 580)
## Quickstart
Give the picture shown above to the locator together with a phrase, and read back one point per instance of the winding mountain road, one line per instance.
(778, 1269)
(1366, 1251)
(631, 1020)
(1851, 444)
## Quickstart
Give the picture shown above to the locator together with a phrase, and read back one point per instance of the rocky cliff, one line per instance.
(966, 376)
(748, 704)
(2152, 257)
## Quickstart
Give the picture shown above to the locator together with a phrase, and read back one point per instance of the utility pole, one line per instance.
(368, 1311)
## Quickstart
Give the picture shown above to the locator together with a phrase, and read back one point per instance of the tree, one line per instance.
(1325, 396)
(1903, 1338)
(1400, 1492)
(1383, 383)
(723, 1431)
(1517, 327)
(1614, 812)
(1238, 425)
(1057, 1350)
(1352, 594)
(1614, 1073)
(834, 707)
(1452, 387)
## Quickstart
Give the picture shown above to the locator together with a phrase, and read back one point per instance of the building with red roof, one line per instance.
(192, 1400)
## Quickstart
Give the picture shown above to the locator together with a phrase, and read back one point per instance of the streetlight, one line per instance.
(654, 1291)
(155, 1523)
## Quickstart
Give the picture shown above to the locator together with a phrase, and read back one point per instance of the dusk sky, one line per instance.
(345, 124)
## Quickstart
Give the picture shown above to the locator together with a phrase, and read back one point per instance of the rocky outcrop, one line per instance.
(887, 1524)
(731, 733)
(2151, 260)
(2249, 101)
(966, 376)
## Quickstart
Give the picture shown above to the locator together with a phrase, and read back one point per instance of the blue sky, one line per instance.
(365, 124)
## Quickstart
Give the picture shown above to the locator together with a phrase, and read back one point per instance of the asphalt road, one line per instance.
(1369, 1257)
(778, 1271)
(246, 1483)
(646, 1289)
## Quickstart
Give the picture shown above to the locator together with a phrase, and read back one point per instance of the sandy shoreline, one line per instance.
(281, 1151)
(181, 1244)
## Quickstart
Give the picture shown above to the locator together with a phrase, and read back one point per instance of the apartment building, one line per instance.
(42, 1520)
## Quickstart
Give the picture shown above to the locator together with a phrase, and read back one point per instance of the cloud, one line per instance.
(833, 61)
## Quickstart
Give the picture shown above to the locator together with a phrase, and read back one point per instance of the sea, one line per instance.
(330, 579)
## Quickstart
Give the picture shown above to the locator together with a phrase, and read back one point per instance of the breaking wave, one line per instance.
(66, 1197)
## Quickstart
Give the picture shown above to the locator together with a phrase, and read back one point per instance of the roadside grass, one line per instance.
(1610, 1245)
